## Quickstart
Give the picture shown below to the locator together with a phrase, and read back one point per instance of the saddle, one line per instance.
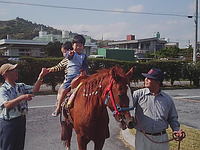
(69, 100)
(75, 82)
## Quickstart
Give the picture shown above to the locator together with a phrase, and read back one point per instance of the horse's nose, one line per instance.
(130, 123)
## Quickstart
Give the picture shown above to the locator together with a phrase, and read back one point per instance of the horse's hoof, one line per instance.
(68, 148)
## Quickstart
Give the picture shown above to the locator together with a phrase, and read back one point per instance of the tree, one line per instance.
(168, 52)
(187, 52)
(53, 49)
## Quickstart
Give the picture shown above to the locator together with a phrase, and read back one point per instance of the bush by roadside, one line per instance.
(29, 69)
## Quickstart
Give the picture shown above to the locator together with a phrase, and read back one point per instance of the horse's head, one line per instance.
(116, 96)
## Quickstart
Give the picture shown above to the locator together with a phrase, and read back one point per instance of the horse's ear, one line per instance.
(129, 74)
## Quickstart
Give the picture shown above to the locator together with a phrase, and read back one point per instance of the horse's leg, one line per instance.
(66, 134)
(82, 142)
(98, 144)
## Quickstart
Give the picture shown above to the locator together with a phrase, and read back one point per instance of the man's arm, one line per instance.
(39, 81)
(173, 118)
(14, 102)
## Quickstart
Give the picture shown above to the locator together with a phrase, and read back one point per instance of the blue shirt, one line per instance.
(154, 113)
(76, 63)
(8, 92)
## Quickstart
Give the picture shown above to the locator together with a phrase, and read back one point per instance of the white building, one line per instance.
(90, 47)
(13, 48)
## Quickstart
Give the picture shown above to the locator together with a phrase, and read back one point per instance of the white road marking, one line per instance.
(184, 97)
(46, 106)
(178, 97)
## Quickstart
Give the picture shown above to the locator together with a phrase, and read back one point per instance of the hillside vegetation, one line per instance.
(23, 29)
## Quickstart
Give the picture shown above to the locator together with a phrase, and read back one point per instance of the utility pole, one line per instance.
(196, 33)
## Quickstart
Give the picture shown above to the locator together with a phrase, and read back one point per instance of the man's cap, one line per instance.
(7, 67)
(155, 74)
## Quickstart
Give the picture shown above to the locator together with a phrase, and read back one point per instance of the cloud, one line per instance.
(173, 29)
(136, 8)
(114, 31)
(192, 7)
(3, 12)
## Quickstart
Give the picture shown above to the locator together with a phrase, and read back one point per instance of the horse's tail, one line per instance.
(63, 135)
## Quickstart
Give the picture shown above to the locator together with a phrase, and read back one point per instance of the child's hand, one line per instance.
(71, 53)
(49, 70)
(83, 73)
(43, 72)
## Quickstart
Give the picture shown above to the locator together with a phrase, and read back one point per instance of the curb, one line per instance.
(128, 137)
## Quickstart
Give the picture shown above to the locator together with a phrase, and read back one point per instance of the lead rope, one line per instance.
(174, 137)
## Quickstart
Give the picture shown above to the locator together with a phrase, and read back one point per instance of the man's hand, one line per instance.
(179, 135)
(26, 97)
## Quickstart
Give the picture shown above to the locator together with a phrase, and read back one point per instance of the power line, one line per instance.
(96, 10)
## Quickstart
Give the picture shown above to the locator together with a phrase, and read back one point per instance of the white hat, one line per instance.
(7, 67)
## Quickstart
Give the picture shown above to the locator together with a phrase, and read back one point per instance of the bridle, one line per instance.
(109, 96)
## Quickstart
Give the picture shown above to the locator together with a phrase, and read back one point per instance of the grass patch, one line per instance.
(191, 142)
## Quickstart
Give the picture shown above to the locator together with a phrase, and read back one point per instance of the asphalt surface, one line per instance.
(187, 102)
(43, 130)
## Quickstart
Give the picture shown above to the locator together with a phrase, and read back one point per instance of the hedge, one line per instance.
(29, 69)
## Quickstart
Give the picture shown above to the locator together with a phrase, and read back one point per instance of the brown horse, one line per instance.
(108, 87)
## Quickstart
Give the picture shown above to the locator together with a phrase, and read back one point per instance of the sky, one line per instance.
(111, 25)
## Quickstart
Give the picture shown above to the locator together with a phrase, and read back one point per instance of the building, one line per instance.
(172, 45)
(90, 47)
(15, 48)
(118, 54)
(139, 46)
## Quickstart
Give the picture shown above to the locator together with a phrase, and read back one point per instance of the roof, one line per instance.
(4, 42)
(136, 41)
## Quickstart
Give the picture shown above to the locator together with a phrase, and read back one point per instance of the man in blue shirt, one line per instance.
(155, 110)
(13, 107)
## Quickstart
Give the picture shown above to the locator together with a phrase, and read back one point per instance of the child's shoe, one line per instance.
(55, 113)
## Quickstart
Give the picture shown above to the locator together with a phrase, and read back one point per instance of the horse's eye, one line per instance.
(121, 96)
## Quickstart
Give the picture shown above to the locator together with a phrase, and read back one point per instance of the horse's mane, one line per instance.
(95, 80)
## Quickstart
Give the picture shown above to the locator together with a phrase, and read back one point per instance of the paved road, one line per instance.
(43, 131)
(187, 102)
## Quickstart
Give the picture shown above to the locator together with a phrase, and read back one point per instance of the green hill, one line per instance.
(23, 29)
